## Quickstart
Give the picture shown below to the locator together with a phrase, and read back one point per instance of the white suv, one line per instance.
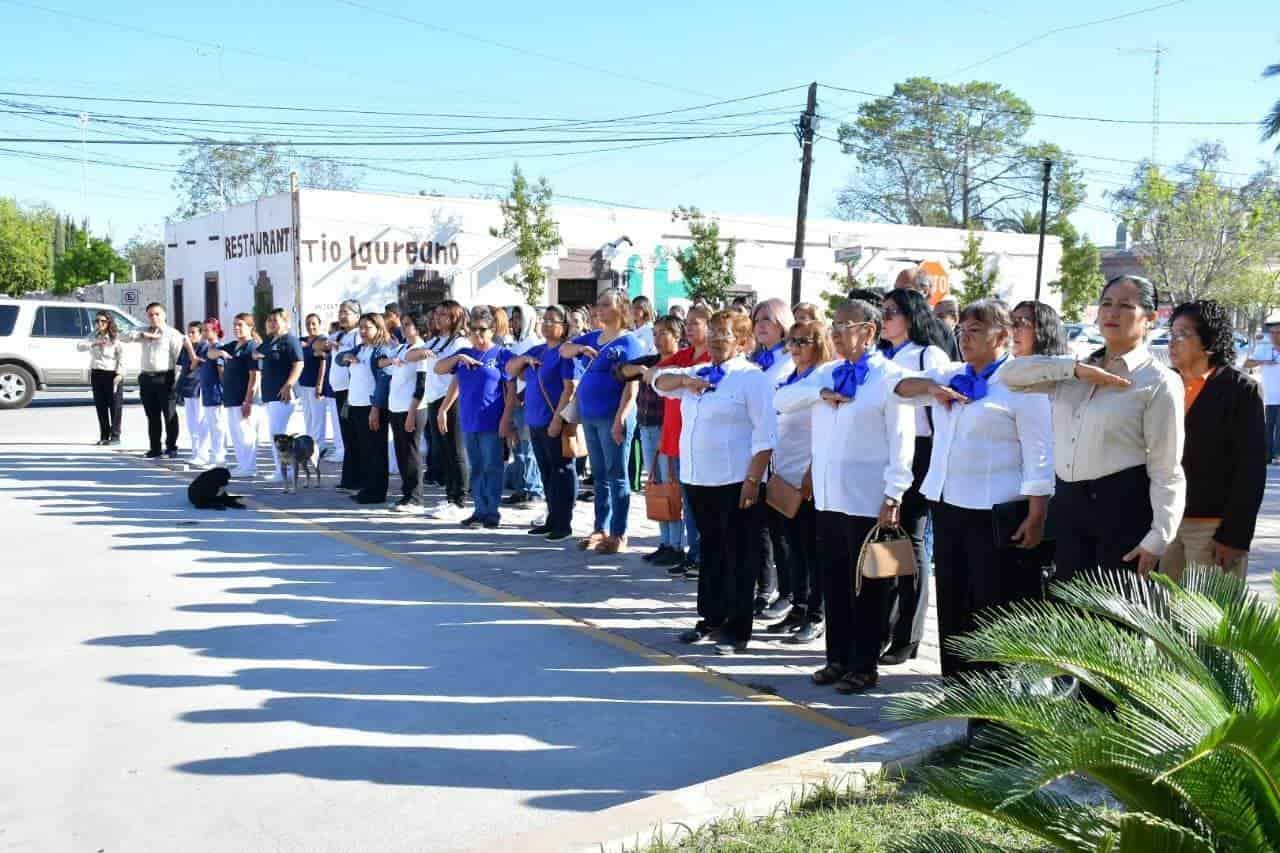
(38, 339)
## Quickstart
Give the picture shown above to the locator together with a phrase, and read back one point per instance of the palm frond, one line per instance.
(1140, 833)
(1224, 793)
(1251, 739)
(995, 696)
(944, 842)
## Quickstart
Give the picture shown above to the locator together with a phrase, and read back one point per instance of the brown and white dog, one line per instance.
(296, 452)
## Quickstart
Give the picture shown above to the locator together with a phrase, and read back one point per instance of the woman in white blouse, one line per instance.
(992, 459)
(106, 374)
(1118, 434)
(810, 346)
(728, 431)
(770, 321)
(910, 340)
(863, 440)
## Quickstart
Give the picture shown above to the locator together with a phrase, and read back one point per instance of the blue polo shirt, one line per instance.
(598, 391)
(210, 379)
(480, 389)
(279, 355)
(310, 364)
(552, 375)
(188, 384)
(236, 370)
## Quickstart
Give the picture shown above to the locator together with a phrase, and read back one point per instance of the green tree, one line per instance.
(950, 155)
(1271, 124)
(146, 256)
(25, 238)
(1198, 236)
(1080, 271)
(527, 222)
(1189, 749)
(88, 260)
(214, 176)
(976, 282)
(708, 269)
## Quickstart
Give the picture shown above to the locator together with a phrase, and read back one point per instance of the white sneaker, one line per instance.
(445, 511)
(540, 520)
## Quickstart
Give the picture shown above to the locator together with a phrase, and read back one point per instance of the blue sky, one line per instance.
(579, 60)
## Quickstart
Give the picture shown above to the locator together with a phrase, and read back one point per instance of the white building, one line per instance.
(309, 250)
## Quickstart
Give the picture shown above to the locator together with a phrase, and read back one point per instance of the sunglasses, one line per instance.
(477, 330)
(890, 313)
(801, 342)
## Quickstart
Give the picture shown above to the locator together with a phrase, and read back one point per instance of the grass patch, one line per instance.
(852, 818)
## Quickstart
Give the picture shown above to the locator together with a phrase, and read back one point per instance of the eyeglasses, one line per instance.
(552, 321)
(846, 328)
(1179, 337)
(1023, 323)
(801, 342)
(974, 331)
(891, 313)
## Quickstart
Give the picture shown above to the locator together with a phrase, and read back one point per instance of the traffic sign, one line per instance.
(851, 255)
(131, 296)
(795, 263)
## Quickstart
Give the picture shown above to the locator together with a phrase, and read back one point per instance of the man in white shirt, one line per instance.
(1266, 360)
(161, 346)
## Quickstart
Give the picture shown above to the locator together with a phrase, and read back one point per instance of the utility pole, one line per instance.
(805, 129)
(1044, 221)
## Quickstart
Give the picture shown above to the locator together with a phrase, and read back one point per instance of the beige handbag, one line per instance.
(570, 413)
(783, 496)
(885, 553)
(572, 443)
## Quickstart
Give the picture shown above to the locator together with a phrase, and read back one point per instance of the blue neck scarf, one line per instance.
(765, 358)
(713, 373)
(850, 374)
(796, 376)
(972, 384)
(891, 352)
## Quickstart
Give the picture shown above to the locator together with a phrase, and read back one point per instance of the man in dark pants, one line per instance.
(161, 346)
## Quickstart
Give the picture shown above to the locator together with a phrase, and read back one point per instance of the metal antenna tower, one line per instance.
(1155, 52)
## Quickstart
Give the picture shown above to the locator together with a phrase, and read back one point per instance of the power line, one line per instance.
(1058, 30)
(375, 143)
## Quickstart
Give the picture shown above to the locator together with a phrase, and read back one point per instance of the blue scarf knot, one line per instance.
(796, 376)
(973, 384)
(849, 375)
(712, 373)
(765, 358)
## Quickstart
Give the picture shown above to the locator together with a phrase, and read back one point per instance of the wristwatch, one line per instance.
(751, 479)
(892, 501)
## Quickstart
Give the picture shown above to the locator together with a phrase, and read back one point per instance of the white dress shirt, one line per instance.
(1269, 372)
(644, 334)
(158, 356)
(780, 369)
(363, 384)
(721, 430)
(862, 450)
(404, 379)
(1102, 431)
(915, 358)
(795, 442)
(438, 386)
(988, 451)
(340, 374)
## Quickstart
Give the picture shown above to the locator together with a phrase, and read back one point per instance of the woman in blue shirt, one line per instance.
(477, 388)
(187, 389)
(606, 405)
(239, 383)
(280, 360)
(367, 406)
(549, 383)
(311, 383)
(213, 417)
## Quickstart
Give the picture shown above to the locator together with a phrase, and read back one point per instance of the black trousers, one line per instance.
(559, 479)
(351, 463)
(774, 572)
(108, 400)
(156, 390)
(1099, 521)
(806, 570)
(444, 449)
(730, 556)
(855, 624)
(972, 574)
(909, 597)
(409, 452)
(372, 478)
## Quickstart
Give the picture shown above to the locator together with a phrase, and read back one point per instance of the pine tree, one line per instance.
(976, 283)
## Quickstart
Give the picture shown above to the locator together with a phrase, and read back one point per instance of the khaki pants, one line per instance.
(1192, 546)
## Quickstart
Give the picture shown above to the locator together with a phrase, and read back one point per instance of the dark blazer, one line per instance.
(1225, 458)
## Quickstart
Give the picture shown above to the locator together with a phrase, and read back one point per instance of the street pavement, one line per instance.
(310, 675)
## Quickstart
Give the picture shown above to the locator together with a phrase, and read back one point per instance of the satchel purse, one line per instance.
(885, 553)
(783, 496)
(570, 413)
(572, 443)
(662, 501)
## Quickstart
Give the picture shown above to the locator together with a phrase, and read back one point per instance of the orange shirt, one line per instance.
(1194, 386)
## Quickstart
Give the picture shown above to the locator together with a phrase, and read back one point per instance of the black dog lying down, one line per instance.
(207, 491)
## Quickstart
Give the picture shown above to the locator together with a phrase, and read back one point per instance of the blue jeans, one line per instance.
(609, 469)
(670, 533)
(522, 472)
(691, 534)
(484, 451)
(1273, 432)
(560, 476)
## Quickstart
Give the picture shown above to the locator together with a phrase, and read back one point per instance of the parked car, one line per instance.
(1083, 339)
(38, 339)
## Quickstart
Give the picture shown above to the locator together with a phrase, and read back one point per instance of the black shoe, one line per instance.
(678, 569)
(730, 649)
(491, 523)
(519, 500)
(794, 621)
(652, 556)
(691, 570)
(540, 530)
(897, 656)
(114, 441)
(368, 499)
(559, 535)
(778, 609)
(696, 634)
(172, 453)
(673, 557)
(810, 632)
(102, 442)
(471, 521)
(762, 603)
(152, 454)
(586, 496)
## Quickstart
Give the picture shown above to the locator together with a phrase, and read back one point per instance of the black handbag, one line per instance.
(1007, 517)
